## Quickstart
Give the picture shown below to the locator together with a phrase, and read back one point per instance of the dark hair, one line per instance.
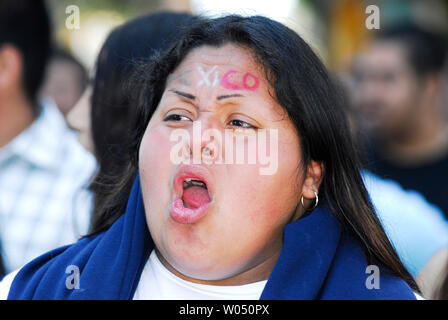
(26, 25)
(425, 50)
(112, 112)
(301, 84)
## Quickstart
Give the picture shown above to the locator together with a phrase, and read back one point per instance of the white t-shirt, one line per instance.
(158, 283)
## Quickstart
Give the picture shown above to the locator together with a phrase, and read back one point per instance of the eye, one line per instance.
(176, 118)
(241, 124)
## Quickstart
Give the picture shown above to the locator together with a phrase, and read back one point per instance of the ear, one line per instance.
(312, 182)
(10, 67)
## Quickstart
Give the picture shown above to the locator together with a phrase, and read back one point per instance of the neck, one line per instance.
(16, 114)
(424, 139)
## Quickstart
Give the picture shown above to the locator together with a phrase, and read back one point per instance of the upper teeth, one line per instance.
(193, 181)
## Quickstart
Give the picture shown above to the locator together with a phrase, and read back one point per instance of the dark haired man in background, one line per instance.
(42, 166)
(398, 78)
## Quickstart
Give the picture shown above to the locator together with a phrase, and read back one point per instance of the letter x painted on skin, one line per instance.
(205, 77)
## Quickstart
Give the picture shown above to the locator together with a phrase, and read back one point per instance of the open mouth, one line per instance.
(192, 186)
(195, 193)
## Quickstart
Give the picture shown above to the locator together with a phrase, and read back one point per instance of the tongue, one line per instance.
(195, 197)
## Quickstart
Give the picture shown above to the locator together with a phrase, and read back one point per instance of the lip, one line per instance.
(184, 215)
(178, 212)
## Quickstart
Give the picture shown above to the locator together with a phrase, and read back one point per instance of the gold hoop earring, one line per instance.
(316, 201)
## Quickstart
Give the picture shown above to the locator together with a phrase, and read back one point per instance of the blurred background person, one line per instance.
(415, 226)
(42, 166)
(104, 114)
(65, 80)
(443, 99)
(397, 85)
(417, 229)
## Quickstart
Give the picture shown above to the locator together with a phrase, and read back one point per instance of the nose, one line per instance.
(205, 145)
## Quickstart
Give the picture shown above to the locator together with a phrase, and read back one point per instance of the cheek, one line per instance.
(155, 171)
(154, 151)
(262, 202)
(403, 94)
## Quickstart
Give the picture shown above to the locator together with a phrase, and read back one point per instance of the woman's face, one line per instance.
(79, 119)
(227, 227)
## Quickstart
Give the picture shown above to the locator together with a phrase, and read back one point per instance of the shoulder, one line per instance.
(47, 269)
(417, 228)
(390, 198)
(369, 281)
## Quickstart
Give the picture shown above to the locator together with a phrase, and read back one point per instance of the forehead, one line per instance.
(223, 56)
(208, 64)
(382, 55)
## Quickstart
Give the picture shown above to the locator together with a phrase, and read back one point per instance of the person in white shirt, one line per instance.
(43, 169)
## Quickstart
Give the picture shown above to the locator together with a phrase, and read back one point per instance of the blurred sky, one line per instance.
(334, 28)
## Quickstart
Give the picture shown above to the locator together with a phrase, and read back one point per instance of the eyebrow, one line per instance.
(229, 96)
(192, 97)
(183, 94)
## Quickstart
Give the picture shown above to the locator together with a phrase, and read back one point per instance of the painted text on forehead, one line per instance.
(214, 77)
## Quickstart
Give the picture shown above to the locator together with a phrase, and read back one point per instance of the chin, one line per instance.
(200, 268)
(198, 264)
